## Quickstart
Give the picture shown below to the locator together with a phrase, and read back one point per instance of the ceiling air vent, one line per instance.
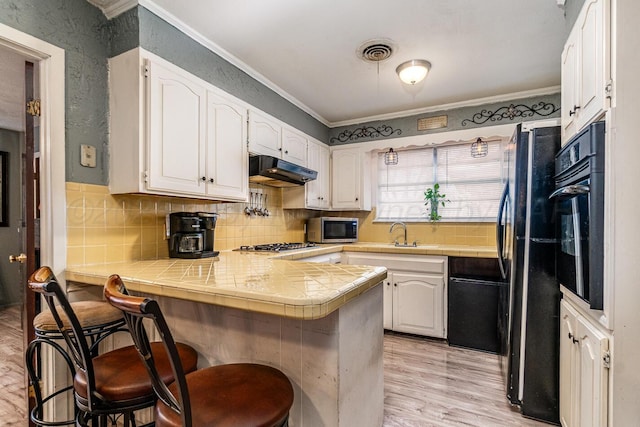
(375, 50)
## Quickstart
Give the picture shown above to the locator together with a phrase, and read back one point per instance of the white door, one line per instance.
(264, 136)
(387, 302)
(593, 376)
(418, 304)
(570, 81)
(294, 147)
(568, 360)
(346, 179)
(227, 159)
(176, 140)
(318, 189)
(592, 41)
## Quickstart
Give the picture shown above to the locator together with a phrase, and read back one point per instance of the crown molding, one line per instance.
(218, 50)
(443, 107)
(113, 8)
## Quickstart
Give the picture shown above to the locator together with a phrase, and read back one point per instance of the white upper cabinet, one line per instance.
(264, 135)
(227, 166)
(314, 194)
(172, 133)
(350, 180)
(294, 147)
(586, 68)
(272, 137)
(318, 190)
(177, 139)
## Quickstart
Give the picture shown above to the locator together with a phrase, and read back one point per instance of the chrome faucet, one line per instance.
(404, 226)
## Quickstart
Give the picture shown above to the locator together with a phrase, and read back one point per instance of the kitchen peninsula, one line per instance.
(320, 324)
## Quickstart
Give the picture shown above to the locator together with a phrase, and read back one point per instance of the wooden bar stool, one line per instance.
(231, 395)
(98, 320)
(110, 385)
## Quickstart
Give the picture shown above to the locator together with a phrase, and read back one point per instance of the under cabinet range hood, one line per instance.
(269, 170)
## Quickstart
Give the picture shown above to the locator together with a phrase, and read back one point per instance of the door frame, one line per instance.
(51, 60)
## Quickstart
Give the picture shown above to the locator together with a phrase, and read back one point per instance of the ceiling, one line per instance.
(308, 50)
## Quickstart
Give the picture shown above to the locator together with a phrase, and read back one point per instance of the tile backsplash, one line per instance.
(102, 227)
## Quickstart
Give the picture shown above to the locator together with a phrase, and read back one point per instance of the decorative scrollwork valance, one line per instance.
(512, 111)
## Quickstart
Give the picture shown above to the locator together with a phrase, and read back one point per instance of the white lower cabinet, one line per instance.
(414, 291)
(584, 370)
(416, 303)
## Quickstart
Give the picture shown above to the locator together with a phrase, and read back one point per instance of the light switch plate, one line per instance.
(88, 156)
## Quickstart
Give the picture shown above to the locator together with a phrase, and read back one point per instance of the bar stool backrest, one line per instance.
(135, 310)
(44, 282)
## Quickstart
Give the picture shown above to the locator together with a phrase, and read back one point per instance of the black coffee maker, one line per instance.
(191, 234)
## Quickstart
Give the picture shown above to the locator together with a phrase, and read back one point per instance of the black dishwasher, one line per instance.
(476, 300)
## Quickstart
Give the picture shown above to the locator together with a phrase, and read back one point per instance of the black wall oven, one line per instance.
(580, 214)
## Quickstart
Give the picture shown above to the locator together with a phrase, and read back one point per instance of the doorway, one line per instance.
(50, 140)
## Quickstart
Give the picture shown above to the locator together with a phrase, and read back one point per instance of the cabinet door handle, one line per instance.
(280, 149)
(286, 151)
(211, 180)
(395, 284)
(573, 338)
(575, 110)
(356, 199)
(204, 178)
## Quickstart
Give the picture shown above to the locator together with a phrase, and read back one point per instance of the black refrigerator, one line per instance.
(529, 311)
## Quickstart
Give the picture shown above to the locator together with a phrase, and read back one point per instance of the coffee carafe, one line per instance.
(191, 234)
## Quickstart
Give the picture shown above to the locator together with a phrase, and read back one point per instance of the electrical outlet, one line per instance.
(88, 156)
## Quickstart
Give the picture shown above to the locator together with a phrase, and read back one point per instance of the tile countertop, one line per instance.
(247, 281)
(389, 248)
(263, 282)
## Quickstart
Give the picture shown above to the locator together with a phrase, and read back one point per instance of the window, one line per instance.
(472, 185)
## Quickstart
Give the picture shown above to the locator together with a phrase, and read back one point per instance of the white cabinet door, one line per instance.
(227, 166)
(176, 140)
(418, 304)
(387, 303)
(569, 80)
(414, 297)
(264, 135)
(583, 370)
(592, 388)
(568, 360)
(593, 42)
(318, 190)
(294, 147)
(586, 68)
(346, 176)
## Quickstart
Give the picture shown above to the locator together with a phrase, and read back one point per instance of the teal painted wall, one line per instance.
(82, 31)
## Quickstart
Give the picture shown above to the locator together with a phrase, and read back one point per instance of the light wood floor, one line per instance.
(13, 410)
(427, 383)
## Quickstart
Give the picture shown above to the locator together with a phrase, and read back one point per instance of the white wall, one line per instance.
(12, 99)
(625, 396)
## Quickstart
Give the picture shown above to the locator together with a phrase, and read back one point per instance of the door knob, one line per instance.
(22, 258)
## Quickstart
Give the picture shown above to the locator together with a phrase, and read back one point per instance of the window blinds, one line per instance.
(472, 185)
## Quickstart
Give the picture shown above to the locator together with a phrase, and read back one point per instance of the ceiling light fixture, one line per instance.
(414, 71)
(391, 157)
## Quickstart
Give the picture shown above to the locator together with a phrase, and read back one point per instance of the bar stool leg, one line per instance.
(37, 414)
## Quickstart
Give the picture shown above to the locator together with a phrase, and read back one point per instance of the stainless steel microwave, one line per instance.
(332, 230)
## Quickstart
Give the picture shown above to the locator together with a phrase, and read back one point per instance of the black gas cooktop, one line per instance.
(276, 247)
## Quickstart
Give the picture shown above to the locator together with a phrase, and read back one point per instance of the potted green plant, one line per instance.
(433, 198)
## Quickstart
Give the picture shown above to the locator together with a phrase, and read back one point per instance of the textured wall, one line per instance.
(527, 109)
(78, 28)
